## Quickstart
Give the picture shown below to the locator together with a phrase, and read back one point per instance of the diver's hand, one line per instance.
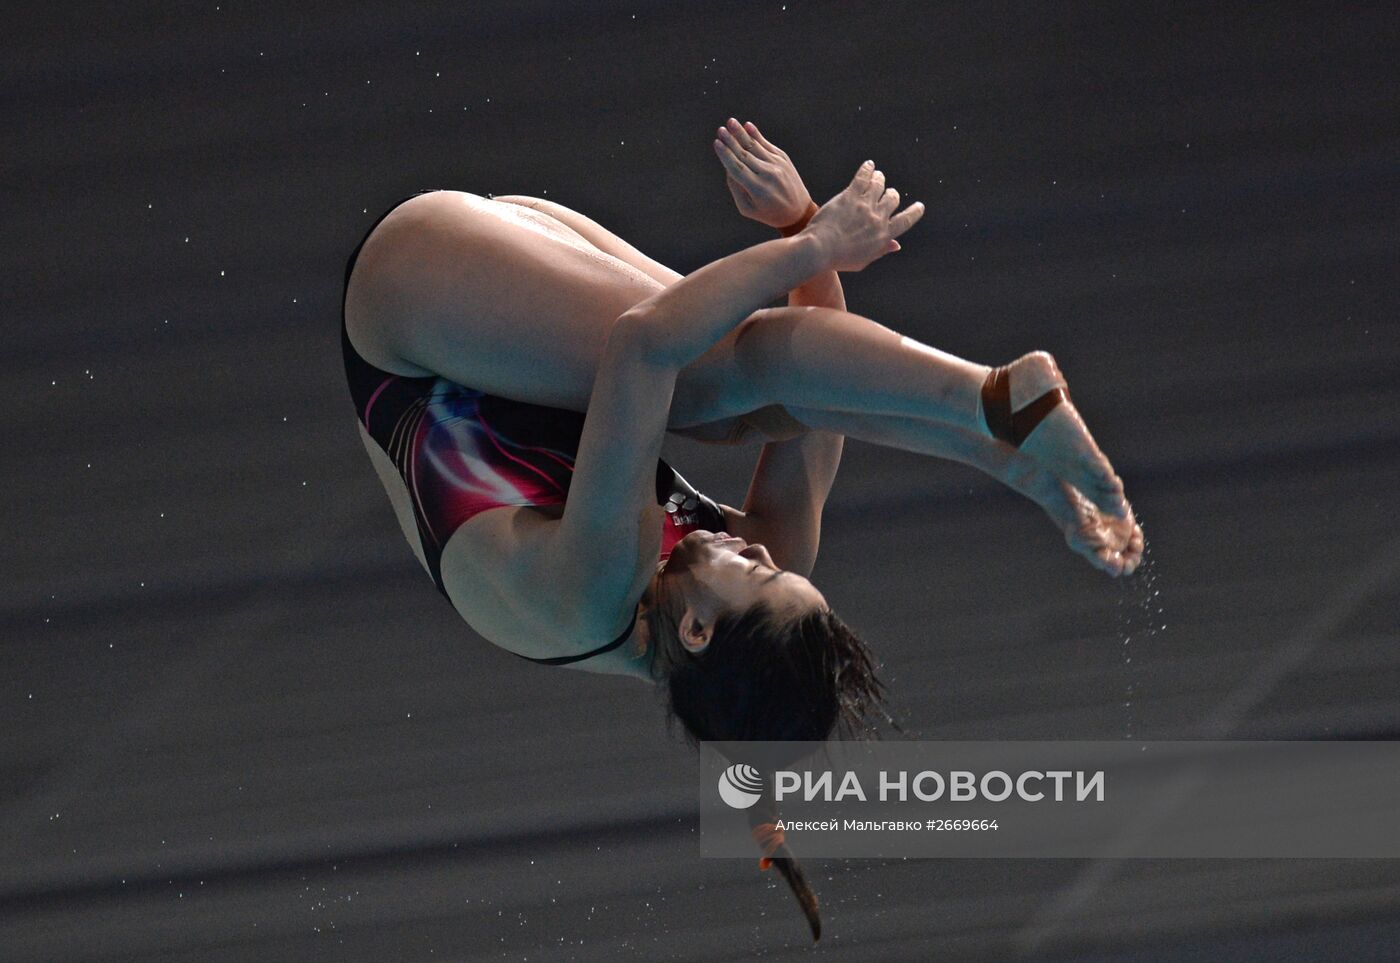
(762, 179)
(860, 225)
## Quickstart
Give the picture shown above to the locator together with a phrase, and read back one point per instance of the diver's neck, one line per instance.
(647, 659)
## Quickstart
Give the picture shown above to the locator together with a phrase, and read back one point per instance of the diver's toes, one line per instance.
(1106, 481)
(1114, 500)
(1131, 561)
(1107, 494)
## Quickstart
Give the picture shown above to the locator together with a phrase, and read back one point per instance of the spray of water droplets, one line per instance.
(1140, 623)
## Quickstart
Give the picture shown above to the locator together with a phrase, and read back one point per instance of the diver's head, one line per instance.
(751, 652)
(710, 576)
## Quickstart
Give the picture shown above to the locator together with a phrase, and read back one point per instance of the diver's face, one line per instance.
(716, 574)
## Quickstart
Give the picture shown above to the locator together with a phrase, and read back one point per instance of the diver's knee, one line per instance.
(763, 353)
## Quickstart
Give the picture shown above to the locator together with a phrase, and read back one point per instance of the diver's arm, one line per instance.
(767, 189)
(686, 319)
(792, 478)
(595, 566)
(783, 510)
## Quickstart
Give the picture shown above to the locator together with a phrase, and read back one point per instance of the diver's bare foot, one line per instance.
(1109, 543)
(1061, 441)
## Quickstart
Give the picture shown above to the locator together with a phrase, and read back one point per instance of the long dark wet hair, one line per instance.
(767, 678)
(772, 679)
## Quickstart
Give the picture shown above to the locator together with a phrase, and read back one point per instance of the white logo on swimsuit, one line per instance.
(740, 786)
(681, 508)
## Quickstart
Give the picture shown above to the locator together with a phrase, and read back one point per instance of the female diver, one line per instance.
(515, 366)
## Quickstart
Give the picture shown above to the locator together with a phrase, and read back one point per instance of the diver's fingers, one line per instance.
(906, 218)
(733, 165)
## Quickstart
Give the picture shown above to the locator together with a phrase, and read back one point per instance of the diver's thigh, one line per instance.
(465, 288)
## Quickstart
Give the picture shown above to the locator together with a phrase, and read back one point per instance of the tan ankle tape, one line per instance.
(996, 403)
(1014, 427)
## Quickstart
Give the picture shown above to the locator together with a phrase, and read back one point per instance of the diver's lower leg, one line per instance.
(828, 359)
(825, 359)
